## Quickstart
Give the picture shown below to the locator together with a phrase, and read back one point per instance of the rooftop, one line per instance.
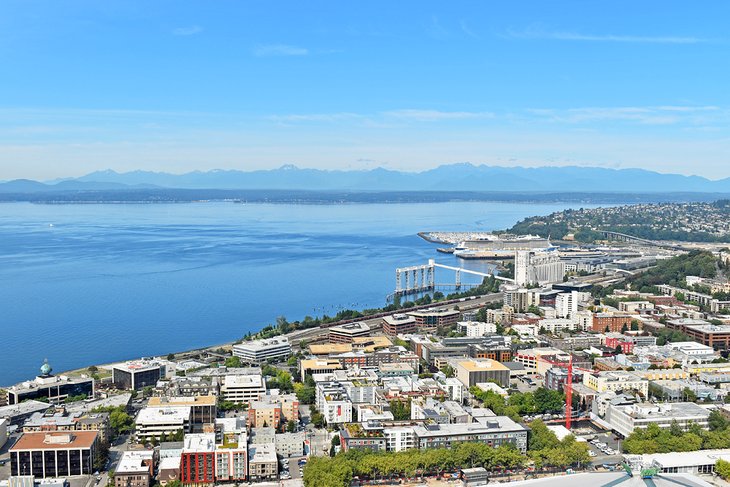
(474, 365)
(256, 345)
(358, 326)
(199, 442)
(133, 462)
(182, 401)
(23, 408)
(243, 381)
(64, 440)
(165, 415)
(488, 424)
(138, 365)
(262, 453)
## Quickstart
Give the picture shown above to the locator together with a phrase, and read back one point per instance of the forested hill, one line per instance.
(688, 222)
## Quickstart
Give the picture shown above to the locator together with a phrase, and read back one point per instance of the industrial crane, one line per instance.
(568, 387)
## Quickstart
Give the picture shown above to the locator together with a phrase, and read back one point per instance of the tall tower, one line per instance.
(522, 265)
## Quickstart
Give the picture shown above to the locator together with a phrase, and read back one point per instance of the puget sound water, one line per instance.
(86, 284)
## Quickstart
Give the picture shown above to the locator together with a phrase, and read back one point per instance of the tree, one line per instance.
(170, 356)
(120, 421)
(689, 395)
(722, 468)
(291, 426)
(401, 409)
(232, 362)
(717, 421)
(282, 324)
(448, 371)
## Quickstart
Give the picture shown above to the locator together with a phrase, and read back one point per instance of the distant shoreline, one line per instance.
(326, 197)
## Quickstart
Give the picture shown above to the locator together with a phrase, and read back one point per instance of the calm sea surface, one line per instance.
(85, 284)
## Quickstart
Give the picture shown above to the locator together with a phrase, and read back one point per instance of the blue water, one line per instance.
(85, 284)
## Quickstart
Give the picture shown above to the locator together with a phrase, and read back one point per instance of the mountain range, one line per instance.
(452, 177)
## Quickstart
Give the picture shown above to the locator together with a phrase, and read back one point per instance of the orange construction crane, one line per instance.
(568, 387)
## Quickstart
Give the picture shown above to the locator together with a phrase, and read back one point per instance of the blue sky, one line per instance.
(183, 85)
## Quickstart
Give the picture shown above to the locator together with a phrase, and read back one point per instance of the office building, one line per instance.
(242, 389)
(432, 318)
(624, 419)
(715, 336)
(137, 375)
(50, 388)
(257, 352)
(348, 332)
(153, 422)
(203, 409)
(471, 372)
(399, 324)
(56, 454)
(319, 366)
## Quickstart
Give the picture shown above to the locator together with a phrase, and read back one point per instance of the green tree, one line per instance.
(232, 362)
(291, 426)
(722, 468)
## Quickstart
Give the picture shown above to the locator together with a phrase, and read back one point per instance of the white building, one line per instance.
(257, 352)
(624, 419)
(475, 328)
(693, 462)
(333, 402)
(3, 431)
(540, 267)
(134, 463)
(558, 325)
(290, 444)
(153, 422)
(399, 438)
(242, 388)
(566, 304)
(616, 380)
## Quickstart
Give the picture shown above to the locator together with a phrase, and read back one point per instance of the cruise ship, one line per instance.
(493, 247)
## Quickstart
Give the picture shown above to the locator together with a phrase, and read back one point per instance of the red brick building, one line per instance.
(612, 322)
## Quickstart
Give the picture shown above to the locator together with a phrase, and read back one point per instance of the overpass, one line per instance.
(623, 237)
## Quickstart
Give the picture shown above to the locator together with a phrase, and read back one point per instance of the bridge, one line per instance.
(622, 237)
(422, 278)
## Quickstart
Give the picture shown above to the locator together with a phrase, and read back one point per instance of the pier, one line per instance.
(422, 278)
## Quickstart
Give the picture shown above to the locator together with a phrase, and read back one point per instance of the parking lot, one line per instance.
(604, 448)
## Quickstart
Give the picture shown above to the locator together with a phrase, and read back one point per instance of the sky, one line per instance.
(178, 86)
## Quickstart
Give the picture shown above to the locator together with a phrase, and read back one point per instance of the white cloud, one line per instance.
(314, 117)
(187, 31)
(467, 30)
(533, 33)
(265, 50)
(434, 115)
(649, 115)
